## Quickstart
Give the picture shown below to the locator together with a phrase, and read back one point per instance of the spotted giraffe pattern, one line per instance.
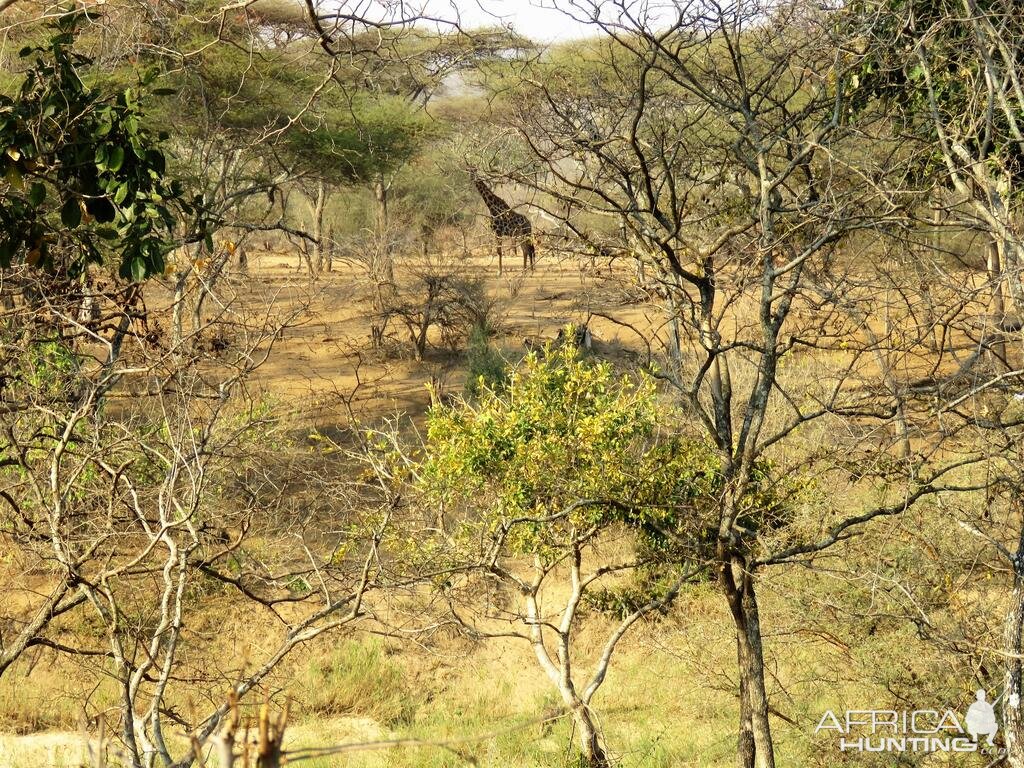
(507, 223)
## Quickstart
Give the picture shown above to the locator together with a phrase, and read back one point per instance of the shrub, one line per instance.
(488, 369)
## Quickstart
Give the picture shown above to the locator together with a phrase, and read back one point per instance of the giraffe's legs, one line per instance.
(529, 251)
(500, 270)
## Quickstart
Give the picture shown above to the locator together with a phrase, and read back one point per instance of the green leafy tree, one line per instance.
(83, 176)
(355, 141)
(564, 459)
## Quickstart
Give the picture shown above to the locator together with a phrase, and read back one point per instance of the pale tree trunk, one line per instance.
(380, 192)
(675, 336)
(329, 251)
(180, 289)
(590, 744)
(384, 269)
(559, 667)
(995, 279)
(1013, 647)
(207, 282)
(594, 755)
(719, 379)
(1009, 261)
(995, 209)
(317, 203)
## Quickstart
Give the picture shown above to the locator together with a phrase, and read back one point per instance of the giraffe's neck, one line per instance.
(494, 203)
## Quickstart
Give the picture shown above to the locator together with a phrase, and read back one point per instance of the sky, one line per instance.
(536, 19)
(528, 17)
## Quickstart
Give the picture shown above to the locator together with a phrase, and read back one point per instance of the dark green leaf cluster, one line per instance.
(925, 60)
(84, 176)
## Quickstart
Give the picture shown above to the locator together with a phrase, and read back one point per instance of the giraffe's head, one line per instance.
(482, 187)
(475, 177)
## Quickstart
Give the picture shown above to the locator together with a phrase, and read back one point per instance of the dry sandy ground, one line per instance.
(321, 360)
(327, 357)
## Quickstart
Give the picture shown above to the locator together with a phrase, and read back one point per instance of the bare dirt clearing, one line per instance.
(328, 354)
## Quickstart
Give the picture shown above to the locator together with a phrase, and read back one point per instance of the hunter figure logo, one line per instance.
(981, 719)
(923, 730)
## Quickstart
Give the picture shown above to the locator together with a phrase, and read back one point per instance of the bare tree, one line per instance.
(127, 483)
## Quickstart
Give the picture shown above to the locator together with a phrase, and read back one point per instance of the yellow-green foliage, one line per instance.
(564, 433)
(568, 445)
(562, 430)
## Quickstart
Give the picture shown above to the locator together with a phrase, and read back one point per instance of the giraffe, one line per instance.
(507, 223)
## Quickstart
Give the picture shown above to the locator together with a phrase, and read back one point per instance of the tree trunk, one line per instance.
(757, 691)
(329, 251)
(380, 192)
(590, 744)
(419, 338)
(995, 279)
(316, 211)
(217, 261)
(754, 748)
(1013, 722)
(675, 336)
(177, 311)
(1009, 262)
(384, 269)
(745, 748)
